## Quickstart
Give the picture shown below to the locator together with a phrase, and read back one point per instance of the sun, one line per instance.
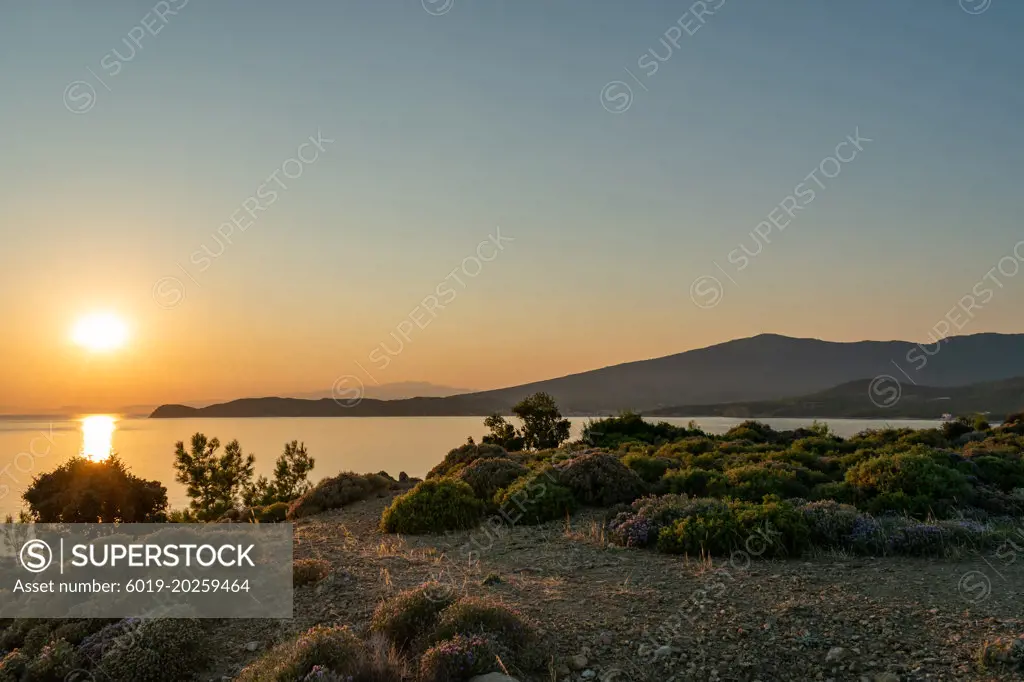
(100, 332)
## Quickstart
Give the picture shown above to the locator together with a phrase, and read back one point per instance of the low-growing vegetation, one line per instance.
(456, 639)
(324, 653)
(486, 476)
(309, 571)
(432, 507)
(940, 493)
(338, 491)
(84, 491)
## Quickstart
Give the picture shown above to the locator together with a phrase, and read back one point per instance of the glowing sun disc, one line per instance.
(100, 332)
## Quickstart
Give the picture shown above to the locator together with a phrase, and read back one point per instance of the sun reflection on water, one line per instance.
(98, 436)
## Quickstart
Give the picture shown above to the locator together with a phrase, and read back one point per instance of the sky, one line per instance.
(515, 191)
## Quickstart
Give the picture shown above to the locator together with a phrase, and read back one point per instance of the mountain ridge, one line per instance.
(759, 368)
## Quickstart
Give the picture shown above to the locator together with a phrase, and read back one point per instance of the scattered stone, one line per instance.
(578, 662)
(252, 646)
(662, 652)
(588, 674)
(835, 654)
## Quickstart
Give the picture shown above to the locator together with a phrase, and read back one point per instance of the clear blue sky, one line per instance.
(491, 115)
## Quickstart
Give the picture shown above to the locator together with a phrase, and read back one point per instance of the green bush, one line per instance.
(336, 492)
(829, 522)
(334, 653)
(991, 447)
(535, 498)
(53, 663)
(840, 491)
(13, 637)
(84, 491)
(511, 633)
(271, 513)
(13, 665)
(599, 479)
(650, 469)
(291, 478)
(714, 530)
(458, 659)
(160, 649)
(37, 637)
(406, 618)
(627, 427)
(433, 506)
(76, 631)
(696, 482)
(309, 571)
(754, 481)
(771, 529)
(910, 482)
(1000, 472)
(686, 448)
(488, 476)
(754, 431)
(1013, 423)
(464, 454)
(93, 646)
(952, 430)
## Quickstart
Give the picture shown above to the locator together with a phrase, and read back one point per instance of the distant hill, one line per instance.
(853, 400)
(398, 390)
(455, 406)
(765, 367)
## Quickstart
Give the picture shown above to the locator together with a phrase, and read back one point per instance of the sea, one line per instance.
(30, 447)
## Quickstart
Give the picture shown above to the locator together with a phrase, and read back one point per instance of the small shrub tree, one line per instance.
(512, 632)
(336, 492)
(157, 649)
(458, 659)
(323, 653)
(433, 506)
(214, 483)
(290, 478)
(406, 618)
(535, 498)
(83, 491)
(464, 454)
(600, 479)
(488, 476)
(611, 432)
(911, 482)
(503, 434)
(543, 425)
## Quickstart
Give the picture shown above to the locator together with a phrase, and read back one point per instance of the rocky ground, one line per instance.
(613, 614)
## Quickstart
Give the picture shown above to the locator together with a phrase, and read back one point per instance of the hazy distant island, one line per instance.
(762, 376)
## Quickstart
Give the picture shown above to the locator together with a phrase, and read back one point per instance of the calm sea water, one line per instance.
(392, 444)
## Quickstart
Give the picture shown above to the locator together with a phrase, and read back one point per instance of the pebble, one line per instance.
(578, 662)
(662, 652)
(835, 654)
(588, 674)
(252, 646)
